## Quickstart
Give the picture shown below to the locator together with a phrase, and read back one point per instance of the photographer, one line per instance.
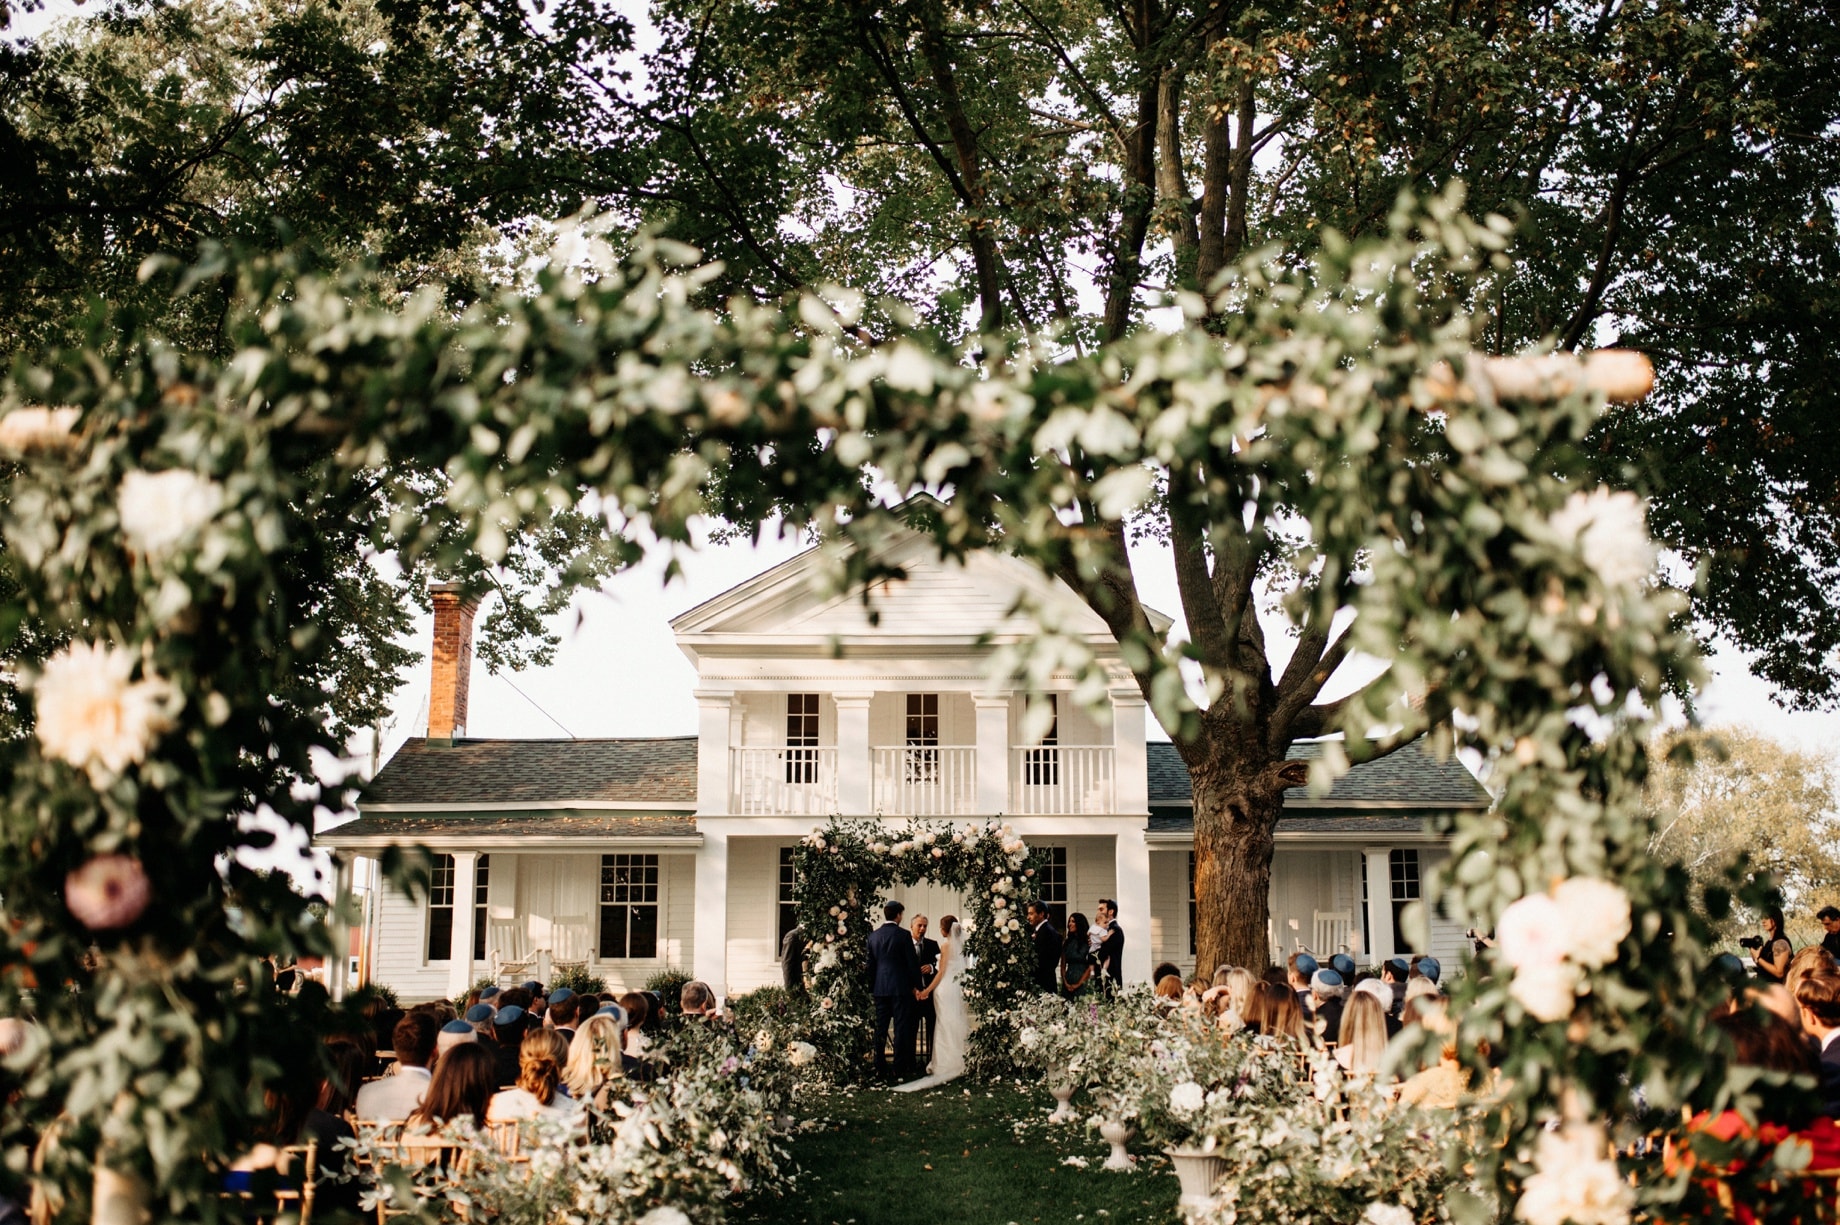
(1772, 950)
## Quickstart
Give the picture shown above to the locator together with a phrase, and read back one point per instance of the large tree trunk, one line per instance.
(1237, 803)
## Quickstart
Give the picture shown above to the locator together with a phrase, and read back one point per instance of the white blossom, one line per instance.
(1031, 1038)
(801, 1053)
(1387, 1214)
(763, 1041)
(1611, 529)
(1549, 992)
(93, 715)
(33, 429)
(665, 1215)
(160, 510)
(1596, 916)
(1532, 932)
(1187, 1099)
(1573, 1181)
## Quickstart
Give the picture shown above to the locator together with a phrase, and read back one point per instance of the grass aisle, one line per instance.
(948, 1158)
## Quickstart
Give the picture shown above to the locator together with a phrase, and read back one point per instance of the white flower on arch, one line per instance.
(161, 510)
(92, 714)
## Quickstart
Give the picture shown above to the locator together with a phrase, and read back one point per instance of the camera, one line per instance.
(1751, 942)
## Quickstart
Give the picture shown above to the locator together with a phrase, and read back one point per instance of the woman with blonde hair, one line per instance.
(538, 1091)
(594, 1064)
(1236, 1002)
(1362, 1044)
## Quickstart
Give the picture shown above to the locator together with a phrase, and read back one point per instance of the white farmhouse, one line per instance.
(629, 856)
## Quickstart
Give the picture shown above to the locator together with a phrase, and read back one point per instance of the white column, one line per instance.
(992, 754)
(1133, 868)
(1379, 903)
(460, 950)
(855, 790)
(1130, 773)
(338, 965)
(710, 962)
(713, 716)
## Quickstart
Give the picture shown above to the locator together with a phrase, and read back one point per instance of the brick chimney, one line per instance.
(451, 662)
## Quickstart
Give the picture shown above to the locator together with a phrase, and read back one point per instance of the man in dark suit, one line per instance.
(1830, 923)
(1047, 947)
(1111, 944)
(1817, 997)
(894, 981)
(928, 952)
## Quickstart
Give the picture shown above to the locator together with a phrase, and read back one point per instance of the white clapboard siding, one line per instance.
(1169, 909)
(402, 946)
(753, 913)
(1449, 944)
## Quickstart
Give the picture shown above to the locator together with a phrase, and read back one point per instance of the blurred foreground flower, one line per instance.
(108, 892)
(160, 510)
(35, 429)
(93, 715)
(1612, 532)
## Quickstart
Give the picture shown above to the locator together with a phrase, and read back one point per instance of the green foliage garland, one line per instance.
(844, 872)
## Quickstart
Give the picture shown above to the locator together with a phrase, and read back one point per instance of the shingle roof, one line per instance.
(522, 824)
(655, 771)
(1412, 776)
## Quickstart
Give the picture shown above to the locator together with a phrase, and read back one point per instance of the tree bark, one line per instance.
(1237, 805)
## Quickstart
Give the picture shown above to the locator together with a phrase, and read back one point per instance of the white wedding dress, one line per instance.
(951, 1024)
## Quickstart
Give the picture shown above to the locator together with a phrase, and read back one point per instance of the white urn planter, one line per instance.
(1198, 1172)
(1063, 1109)
(1115, 1132)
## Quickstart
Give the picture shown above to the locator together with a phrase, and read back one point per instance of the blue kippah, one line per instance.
(490, 993)
(1429, 967)
(456, 1027)
(1306, 964)
(1325, 978)
(560, 994)
(1343, 965)
(533, 986)
(1398, 966)
(510, 1014)
(615, 1011)
(478, 1013)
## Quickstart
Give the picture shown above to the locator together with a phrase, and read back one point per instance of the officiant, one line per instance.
(928, 952)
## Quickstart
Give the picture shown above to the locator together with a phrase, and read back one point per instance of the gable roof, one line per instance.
(657, 772)
(1412, 778)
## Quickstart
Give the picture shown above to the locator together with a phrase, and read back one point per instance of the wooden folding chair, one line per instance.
(288, 1185)
(418, 1154)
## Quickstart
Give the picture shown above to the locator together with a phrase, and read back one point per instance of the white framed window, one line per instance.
(1051, 884)
(922, 755)
(788, 909)
(1041, 766)
(441, 908)
(481, 885)
(629, 907)
(1404, 870)
(801, 737)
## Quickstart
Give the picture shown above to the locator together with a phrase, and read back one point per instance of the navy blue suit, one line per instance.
(894, 976)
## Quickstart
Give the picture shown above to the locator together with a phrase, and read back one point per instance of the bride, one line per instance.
(951, 1023)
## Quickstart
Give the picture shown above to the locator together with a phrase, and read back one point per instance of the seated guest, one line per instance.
(454, 1033)
(514, 997)
(294, 1117)
(1428, 966)
(392, 1098)
(596, 1071)
(563, 1009)
(1273, 1013)
(1394, 972)
(1165, 970)
(1220, 976)
(479, 1016)
(1420, 987)
(461, 1088)
(1363, 1034)
(1235, 999)
(1327, 995)
(1344, 965)
(636, 1008)
(1807, 961)
(538, 1090)
(1829, 917)
(1298, 971)
(697, 1000)
(1381, 994)
(338, 1089)
(1442, 1086)
(508, 1028)
(1169, 990)
(1817, 997)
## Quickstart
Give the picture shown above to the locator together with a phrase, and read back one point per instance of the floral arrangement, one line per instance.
(845, 870)
(1193, 1080)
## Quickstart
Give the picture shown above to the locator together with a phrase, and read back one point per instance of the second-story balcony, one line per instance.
(920, 780)
(925, 780)
(790, 781)
(1056, 779)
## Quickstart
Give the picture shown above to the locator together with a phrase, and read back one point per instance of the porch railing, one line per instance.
(783, 781)
(1056, 780)
(925, 780)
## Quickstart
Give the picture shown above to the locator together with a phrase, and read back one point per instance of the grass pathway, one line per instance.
(948, 1157)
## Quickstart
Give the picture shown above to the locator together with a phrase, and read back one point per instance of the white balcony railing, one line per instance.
(780, 781)
(1053, 780)
(924, 780)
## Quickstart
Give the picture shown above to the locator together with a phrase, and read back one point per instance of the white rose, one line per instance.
(801, 1053)
(160, 510)
(665, 1215)
(1031, 1039)
(1612, 534)
(1596, 918)
(999, 904)
(1187, 1098)
(1387, 1214)
(1549, 992)
(1573, 1181)
(1532, 932)
(33, 429)
(763, 1041)
(93, 716)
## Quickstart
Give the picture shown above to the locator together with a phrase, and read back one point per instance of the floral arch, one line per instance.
(844, 871)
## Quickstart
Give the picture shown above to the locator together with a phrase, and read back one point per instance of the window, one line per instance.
(1404, 865)
(1191, 904)
(788, 911)
(441, 908)
(629, 906)
(1041, 767)
(1051, 885)
(480, 882)
(801, 737)
(1367, 932)
(922, 756)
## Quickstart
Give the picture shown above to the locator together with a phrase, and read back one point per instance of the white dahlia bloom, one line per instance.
(93, 715)
(1573, 1181)
(1387, 1214)
(665, 1215)
(1532, 932)
(1187, 1099)
(35, 429)
(160, 510)
(801, 1053)
(1595, 913)
(1612, 533)
(1549, 991)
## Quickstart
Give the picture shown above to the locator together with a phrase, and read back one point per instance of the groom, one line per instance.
(894, 980)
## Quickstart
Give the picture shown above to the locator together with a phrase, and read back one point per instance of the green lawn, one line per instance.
(949, 1157)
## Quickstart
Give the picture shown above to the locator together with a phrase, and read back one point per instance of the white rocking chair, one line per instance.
(1331, 932)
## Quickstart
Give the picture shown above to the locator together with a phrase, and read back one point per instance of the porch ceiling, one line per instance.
(511, 828)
